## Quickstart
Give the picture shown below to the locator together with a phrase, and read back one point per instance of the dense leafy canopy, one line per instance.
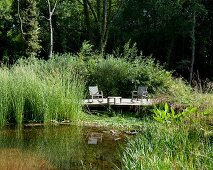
(161, 28)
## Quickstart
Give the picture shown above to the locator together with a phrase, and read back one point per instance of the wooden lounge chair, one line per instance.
(141, 93)
(95, 93)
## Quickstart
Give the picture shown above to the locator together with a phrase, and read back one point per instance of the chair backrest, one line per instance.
(142, 90)
(93, 90)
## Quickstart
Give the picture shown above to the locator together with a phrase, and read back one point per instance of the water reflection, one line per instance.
(57, 147)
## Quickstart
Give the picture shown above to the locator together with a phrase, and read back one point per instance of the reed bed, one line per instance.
(169, 146)
(40, 91)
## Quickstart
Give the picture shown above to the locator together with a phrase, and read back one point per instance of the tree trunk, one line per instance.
(169, 53)
(104, 27)
(193, 48)
(98, 9)
(51, 11)
(51, 37)
(87, 20)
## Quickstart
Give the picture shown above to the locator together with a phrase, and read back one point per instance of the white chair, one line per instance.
(95, 93)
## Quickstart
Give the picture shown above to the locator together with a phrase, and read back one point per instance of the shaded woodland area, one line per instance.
(177, 33)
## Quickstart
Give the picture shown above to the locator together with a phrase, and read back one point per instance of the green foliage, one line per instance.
(30, 27)
(86, 51)
(111, 74)
(119, 76)
(167, 114)
(5, 6)
(168, 146)
(180, 92)
(40, 91)
(160, 28)
(129, 52)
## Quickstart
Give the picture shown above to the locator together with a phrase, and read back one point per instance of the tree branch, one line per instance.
(119, 7)
(21, 23)
(92, 10)
(80, 2)
(54, 6)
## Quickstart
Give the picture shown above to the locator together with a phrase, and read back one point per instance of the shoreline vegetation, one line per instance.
(176, 134)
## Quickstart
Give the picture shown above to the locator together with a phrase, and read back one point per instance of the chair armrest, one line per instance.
(101, 92)
(145, 92)
(134, 92)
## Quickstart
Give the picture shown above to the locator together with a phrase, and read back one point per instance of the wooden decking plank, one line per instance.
(124, 102)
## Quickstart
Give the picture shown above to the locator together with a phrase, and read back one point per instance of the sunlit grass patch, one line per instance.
(168, 146)
(40, 91)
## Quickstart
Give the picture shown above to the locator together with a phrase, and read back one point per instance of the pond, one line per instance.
(59, 147)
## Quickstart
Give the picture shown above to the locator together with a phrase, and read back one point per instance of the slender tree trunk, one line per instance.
(20, 20)
(211, 39)
(51, 37)
(98, 9)
(51, 11)
(193, 48)
(87, 20)
(104, 27)
(169, 53)
(99, 28)
(102, 16)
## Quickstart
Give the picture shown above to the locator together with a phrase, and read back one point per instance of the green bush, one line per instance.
(118, 76)
(111, 75)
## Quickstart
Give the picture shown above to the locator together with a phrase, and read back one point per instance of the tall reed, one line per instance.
(40, 91)
(168, 146)
(4, 104)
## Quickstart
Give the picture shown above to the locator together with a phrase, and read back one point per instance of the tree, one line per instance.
(51, 11)
(193, 10)
(6, 29)
(29, 27)
(100, 14)
(193, 47)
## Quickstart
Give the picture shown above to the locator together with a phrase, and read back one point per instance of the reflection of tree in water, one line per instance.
(60, 145)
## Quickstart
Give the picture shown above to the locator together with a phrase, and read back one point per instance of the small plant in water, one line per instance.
(168, 114)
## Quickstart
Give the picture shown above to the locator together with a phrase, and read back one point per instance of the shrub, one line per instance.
(112, 75)
(118, 76)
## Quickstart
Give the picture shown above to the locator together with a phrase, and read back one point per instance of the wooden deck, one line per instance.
(125, 102)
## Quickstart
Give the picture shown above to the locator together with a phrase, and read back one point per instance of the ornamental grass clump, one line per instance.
(40, 91)
(4, 104)
(168, 146)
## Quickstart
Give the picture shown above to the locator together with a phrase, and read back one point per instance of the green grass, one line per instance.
(117, 121)
(40, 91)
(4, 105)
(169, 146)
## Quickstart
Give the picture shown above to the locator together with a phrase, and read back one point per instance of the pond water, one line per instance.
(59, 147)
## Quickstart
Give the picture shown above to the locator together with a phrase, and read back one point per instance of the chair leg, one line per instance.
(89, 100)
(100, 99)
